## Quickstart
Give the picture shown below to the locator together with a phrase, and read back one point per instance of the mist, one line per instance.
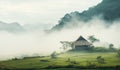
(31, 43)
(40, 11)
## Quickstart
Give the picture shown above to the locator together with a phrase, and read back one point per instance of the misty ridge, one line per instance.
(20, 40)
(103, 10)
(18, 28)
(108, 10)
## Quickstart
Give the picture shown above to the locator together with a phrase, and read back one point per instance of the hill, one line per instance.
(69, 60)
(11, 27)
(108, 9)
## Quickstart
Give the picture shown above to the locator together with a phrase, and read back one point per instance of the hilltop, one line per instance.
(109, 10)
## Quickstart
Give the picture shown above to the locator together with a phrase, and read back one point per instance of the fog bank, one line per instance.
(41, 43)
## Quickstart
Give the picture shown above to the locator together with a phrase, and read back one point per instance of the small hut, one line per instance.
(81, 44)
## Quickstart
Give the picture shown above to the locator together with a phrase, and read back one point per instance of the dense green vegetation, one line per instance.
(71, 60)
(106, 8)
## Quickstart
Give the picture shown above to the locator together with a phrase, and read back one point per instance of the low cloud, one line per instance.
(40, 11)
(42, 43)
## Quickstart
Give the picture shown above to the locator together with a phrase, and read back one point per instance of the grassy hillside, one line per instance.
(71, 60)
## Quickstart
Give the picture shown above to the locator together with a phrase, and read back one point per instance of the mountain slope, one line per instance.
(109, 9)
(12, 27)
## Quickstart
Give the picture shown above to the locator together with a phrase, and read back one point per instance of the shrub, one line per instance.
(111, 48)
(74, 62)
(44, 60)
(91, 48)
(100, 60)
(100, 49)
(118, 53)
(68, 60)
(54, 55)
(15, 58)
(90, 64)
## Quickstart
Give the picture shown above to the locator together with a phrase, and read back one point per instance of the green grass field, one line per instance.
(71, 60)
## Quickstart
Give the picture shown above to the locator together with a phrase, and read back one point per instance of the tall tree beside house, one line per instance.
(92, 39)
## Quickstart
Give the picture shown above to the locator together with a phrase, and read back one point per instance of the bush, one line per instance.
(54, 55)
(100, 49)
(100, 60)
(73, 62)
(118, 53)
(44, 60)
(90, 64)
(91, 48)
(15, 58)
(111, 48)
(68, 60)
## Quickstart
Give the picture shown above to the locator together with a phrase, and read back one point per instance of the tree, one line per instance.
(100, 49)
(93, 39)
(54, 55)
(67, 44)
(111, 47)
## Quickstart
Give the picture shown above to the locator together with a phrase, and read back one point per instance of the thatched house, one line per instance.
(81, 44)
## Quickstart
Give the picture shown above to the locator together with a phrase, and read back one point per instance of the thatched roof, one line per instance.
(81, 41)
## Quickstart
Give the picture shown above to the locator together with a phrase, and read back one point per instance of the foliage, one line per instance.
(91, 48)
(100, 49)
(107, 8)
(73, 62)
(66, 45)
(15, 58)
(54, 55)
(118, 53)
(103, 49)
(4, 67)
(111, 47)
(90, 64)
(100, 60)
(93, 39)
(68, 60)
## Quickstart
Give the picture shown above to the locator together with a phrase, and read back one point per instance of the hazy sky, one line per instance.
(40, 11)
